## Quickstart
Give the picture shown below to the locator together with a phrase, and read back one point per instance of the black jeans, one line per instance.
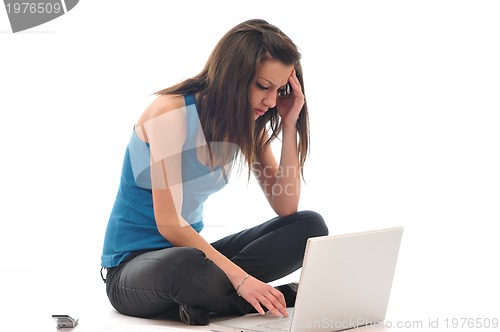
(151, 283)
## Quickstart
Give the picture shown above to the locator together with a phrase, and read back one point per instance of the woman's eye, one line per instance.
(261, 87)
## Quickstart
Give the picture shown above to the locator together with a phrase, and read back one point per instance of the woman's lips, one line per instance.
(259, 112)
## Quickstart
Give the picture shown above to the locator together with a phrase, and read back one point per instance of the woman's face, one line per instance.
(271, 78)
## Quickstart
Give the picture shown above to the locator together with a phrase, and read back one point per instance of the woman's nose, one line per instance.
(270, 100)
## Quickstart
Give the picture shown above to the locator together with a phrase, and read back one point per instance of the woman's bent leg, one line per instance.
(156, 282)
(152, 283)
(275, 248)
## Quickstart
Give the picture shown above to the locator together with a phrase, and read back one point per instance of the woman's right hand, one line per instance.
(259, 294)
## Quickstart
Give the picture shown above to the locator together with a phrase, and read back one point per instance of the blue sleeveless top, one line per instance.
(131, 225)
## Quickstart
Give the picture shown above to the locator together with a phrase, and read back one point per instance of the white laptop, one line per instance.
(345, 283)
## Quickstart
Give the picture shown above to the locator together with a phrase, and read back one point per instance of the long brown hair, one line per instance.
(223, 90)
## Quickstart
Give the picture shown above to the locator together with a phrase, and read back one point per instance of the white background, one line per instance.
(404, 109)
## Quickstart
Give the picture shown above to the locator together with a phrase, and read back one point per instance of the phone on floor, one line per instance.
(63, 321)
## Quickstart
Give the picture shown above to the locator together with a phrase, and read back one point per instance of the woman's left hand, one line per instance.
(289, 106)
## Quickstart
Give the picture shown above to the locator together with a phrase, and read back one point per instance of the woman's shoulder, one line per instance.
(165, 111)
(161, 105)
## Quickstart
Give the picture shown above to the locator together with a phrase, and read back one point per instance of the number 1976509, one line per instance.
(33, 8)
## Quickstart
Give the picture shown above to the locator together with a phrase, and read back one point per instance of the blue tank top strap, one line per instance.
(192, 122)
(189, 99)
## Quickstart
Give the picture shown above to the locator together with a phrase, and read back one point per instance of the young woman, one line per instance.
(182, 149)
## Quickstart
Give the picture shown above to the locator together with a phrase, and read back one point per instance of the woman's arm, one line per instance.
(281, 183)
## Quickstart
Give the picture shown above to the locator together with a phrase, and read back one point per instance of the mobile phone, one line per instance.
(286, 90)
(65, 321)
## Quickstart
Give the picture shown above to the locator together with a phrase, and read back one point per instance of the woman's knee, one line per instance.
(181, 256)
(316, 224)
(160, 268)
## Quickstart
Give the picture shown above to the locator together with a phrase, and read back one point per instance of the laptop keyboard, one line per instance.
(280, 325)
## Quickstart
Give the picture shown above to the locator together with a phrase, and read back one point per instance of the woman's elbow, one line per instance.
(175, 234)
(284, 210)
